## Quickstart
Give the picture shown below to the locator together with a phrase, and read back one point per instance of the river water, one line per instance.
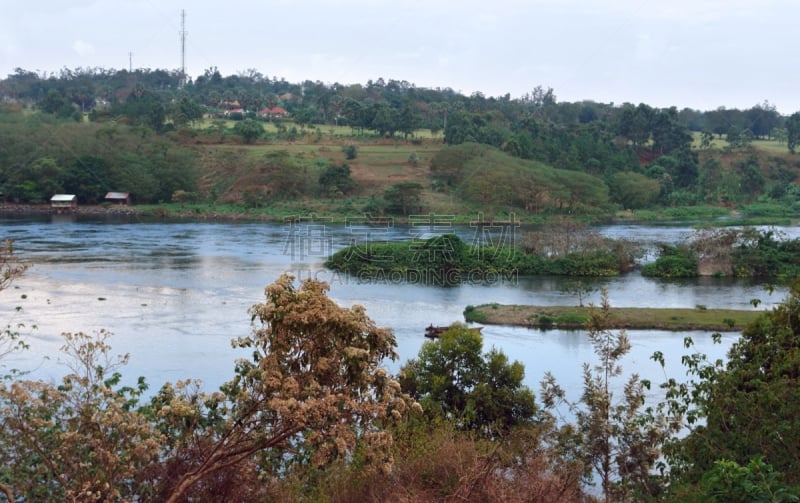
(175, 294)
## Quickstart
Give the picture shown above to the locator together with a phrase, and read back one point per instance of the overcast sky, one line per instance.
(689, 53)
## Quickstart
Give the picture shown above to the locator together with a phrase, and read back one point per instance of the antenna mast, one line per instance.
(182, 80)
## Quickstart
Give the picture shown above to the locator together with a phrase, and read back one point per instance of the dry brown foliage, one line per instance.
(310, 392)
(10, 265)
(441, 464)
(76, 441)
(312, 389)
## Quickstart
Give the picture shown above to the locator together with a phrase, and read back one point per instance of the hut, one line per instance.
(64, 202)
(118, 198)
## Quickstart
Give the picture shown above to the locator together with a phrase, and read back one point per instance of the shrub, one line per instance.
(350, 152)
(674, 262)
(472, 315)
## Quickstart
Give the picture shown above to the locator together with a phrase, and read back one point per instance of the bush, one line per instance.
(182, 196)
(472, 315)
(336, 179)
(350, 152)
(674, 262)
(546, 322)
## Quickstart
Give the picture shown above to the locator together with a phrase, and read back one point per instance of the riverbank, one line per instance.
(46, 209)
(699, 216)
(564, 317)
(146, 212)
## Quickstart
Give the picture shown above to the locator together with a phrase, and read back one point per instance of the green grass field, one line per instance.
(771, 146)
(331, 131)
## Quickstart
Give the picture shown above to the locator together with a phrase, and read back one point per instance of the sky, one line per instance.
(701, 54)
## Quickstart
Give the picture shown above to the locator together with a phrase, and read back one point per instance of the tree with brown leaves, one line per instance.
(312, 388)
(311, 392)
(80, 440)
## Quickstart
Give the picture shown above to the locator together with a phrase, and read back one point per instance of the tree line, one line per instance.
(41, 155)
(643, 156)
(385, 107)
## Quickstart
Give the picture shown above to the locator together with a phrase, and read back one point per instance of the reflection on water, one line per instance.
(174, 294)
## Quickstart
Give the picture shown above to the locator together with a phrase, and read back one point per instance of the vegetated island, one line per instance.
(448, 260)
(634, 318)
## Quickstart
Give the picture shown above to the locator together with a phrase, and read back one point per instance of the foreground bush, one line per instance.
(309, 392)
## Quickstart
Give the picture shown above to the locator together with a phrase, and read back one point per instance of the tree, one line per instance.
(634, 190)
(762, 118)
(634, 123)
(706, 138)
(752, 179)
(55, 103)
(336, 179)
(384, 119)
(730, 482)
(755, 392)
(249, 129)
(143, 107)
(668, 135)
(10, 269)
(579, 288)
(186, 110)
(218, 126)
(407, 120)
(681, 168)
(81, 440)
(741, 139)
(793, 131)
(353, 112)
(453, 379)
(779, 134)
(350, 151)
(403, 198)
(708, 180)
(38, 181)
(310, 390)
(82, 95)
(10, 266)
(88, 178)
(618, 440)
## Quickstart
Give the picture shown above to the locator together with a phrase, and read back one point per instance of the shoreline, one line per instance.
(148, 213)
(44, 209)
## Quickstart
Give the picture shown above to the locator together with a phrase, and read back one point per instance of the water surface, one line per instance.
(175, 294)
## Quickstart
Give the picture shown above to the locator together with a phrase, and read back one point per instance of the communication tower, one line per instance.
(183, 33)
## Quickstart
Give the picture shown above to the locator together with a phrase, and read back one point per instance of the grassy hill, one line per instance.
(280, 177)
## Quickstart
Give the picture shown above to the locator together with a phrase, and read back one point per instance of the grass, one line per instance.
(621, 317)
(326, 130)
(684, 213)
(770, 146)
(380, 163)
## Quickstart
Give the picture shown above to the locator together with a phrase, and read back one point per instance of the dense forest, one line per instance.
(89, 130)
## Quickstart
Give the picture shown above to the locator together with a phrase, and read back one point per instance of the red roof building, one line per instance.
(273, 112)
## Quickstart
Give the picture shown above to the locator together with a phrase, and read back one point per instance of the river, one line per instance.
(175, 294)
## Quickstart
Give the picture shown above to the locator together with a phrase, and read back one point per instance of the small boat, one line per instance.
(432, 332)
